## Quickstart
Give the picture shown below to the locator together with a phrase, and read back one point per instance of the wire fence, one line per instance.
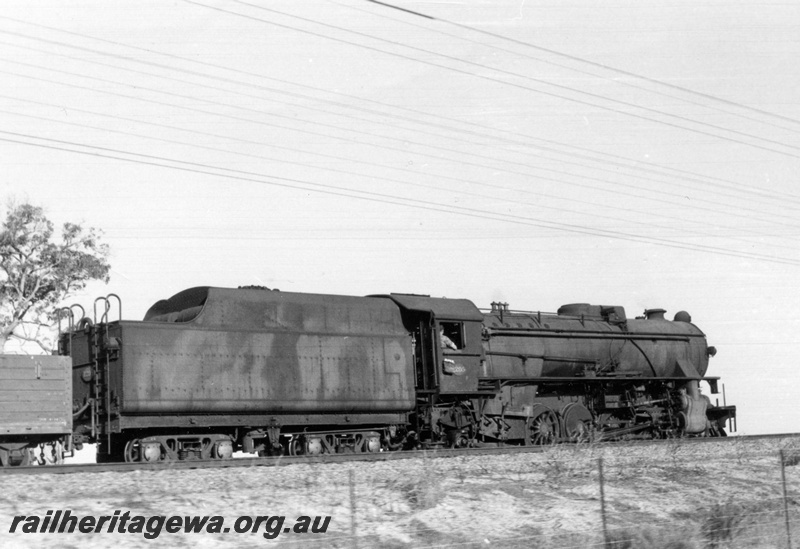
(720, 495)
(676, 497)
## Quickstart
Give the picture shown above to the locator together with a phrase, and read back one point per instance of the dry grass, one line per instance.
(674, 496)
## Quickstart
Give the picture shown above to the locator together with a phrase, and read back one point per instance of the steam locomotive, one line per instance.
(211, 371)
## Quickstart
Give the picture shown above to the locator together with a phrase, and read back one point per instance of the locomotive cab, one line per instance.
(447, 342)
(448, 359)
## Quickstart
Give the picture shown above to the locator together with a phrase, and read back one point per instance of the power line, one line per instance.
(571, 162)
(372, 144)
(592, 63)
(361, 100)
(507, 83)
(456, 137)
(567, 67)
(194, 167)
(648, 224)
(346, 172)
(715, 203)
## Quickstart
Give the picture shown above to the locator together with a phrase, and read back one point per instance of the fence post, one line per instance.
(603, 501)
(353, 510)
(785, 500)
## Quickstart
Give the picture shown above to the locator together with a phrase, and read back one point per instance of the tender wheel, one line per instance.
(150, 451)
(223, 450)
(132, 450)
(368, 443)
(305, 446)
(295, 446)
(542, 427)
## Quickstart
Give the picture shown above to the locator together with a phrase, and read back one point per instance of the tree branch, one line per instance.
(42, 346)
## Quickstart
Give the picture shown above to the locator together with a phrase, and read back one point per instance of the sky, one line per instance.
(537, 153)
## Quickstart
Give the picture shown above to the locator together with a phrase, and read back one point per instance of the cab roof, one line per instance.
(440, 307)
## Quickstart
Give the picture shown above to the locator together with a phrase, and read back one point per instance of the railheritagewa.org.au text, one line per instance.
(65, 522)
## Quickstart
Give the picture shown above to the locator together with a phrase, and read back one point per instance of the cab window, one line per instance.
(454, 331)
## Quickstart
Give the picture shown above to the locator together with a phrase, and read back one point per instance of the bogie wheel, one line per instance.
(19, 458)
(542, 427)
(132, 450)
(295, 446)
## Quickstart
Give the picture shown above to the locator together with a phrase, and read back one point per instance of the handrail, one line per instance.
(107, 307)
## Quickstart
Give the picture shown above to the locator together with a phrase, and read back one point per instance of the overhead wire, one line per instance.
(778, 246)
(241, 175)
(574, 69)
(650, 225)
(513, 84)
(714, 203)
(636, 163)
(461, 192)
(403, 140)
(128, 69)
(573, 174)
(583, 60)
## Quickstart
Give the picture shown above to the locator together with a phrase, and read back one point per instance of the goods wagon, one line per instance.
(35, 409)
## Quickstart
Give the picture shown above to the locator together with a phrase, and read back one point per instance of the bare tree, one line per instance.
(37, 272)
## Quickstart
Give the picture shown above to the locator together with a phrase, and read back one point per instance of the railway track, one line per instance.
(279, 461)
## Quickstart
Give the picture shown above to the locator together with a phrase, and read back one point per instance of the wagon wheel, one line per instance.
(542, 427)
(577, 421)
(21, 459)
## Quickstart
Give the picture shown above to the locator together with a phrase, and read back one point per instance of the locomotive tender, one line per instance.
(211, 371)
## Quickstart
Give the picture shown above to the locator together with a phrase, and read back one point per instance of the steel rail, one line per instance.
(280, 461)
